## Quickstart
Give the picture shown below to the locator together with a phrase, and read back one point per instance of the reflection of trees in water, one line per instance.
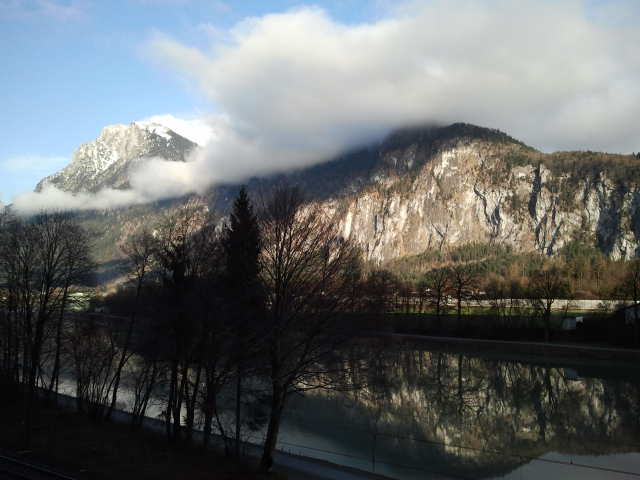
(486, 416)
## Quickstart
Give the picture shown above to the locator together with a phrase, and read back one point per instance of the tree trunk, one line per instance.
(33, 376)
(173, 387)
(123, 360)
(460, 395)
(191, 403)
(271, 440)
(547, 324)
(125, 348)
(177, 405)
(206, 431)
(55, 376)
(238, 407)
(227, 450)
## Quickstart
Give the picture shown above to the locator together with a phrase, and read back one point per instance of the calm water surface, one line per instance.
(432, 414)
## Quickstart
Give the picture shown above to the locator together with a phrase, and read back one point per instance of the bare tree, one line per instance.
(182, 264)
(145, 370)
(404, 296)
(178, 260)
(79, 265)
(214, 358)
(94, 348)
(205, 302)
(463, 286)
(630, 289)
(40, 259)
(505, 297)
(545, 287)
(305, 270)
(139, 250)
(380, 289)
(438, 288)
(10, 340)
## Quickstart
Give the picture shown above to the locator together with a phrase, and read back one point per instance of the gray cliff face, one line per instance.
(107, 161)
(468, 191)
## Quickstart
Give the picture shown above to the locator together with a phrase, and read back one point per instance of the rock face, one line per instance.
(107, 161)
(422, 197)
(419, 189)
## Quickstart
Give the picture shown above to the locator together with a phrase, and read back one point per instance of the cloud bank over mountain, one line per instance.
(293, 89)
(200, 131)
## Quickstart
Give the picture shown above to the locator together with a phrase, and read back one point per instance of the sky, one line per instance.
(286, 84)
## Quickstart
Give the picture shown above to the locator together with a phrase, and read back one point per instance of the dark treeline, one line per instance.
(221, 325)
(42, 262)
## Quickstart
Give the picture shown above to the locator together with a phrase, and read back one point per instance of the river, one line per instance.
(427, 413)
(423, 412)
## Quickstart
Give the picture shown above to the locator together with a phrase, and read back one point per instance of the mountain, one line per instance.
(461, 184)
(425, 189)
(419, 189)
(107, 161)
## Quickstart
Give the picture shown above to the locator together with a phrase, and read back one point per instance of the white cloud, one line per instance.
(296, 88)
(198, 130)
(543, 71)
(176, 177)
(53, 199)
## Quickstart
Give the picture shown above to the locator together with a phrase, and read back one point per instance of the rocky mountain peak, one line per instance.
(106, 161)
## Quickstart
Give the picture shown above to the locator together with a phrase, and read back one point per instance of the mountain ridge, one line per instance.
(424, 188)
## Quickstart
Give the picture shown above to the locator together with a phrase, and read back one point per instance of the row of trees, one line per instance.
(444, 290)
(463, 283)
(223, 325)
(42, 261)
(249, 311)
(450, 291)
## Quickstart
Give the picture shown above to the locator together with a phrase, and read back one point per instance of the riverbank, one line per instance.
(71, 443)
(566, 353)
(68, 442)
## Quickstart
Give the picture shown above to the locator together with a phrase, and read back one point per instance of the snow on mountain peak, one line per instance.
(158, 129)
(106, 162)
(197, 131)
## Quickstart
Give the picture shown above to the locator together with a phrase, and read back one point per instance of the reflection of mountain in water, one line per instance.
(472, 416)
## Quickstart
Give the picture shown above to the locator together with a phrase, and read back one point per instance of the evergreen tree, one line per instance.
(244, 294)
(242, 243)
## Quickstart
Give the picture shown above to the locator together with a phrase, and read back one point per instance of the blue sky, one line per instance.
(71, 67)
